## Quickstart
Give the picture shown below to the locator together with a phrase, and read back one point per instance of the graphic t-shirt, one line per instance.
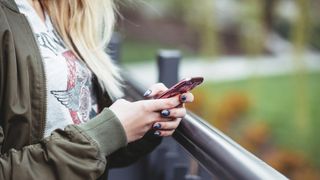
(70, 95)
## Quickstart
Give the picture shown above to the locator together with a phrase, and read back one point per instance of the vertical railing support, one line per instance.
(176, 159)
(168, 66)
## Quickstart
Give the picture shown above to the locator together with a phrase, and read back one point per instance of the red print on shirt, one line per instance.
(77, 95)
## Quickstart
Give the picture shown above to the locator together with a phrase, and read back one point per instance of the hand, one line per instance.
(171, 121)
(171, 117)
(139, 117)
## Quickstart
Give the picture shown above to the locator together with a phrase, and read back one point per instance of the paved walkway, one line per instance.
(228, 68)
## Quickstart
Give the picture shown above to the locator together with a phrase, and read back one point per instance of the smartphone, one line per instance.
(181, 87)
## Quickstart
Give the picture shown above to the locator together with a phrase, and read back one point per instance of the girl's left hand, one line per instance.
(171, 118)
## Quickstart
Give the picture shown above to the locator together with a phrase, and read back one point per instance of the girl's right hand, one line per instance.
(138, 117)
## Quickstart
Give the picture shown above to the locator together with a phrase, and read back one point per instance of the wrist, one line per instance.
(107, 131)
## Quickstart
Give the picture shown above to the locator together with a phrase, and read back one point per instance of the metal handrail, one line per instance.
(216, 152)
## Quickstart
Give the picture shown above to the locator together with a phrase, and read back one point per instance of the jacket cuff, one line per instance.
(107, 131)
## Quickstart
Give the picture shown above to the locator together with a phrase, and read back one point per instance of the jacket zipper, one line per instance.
(44, 120)
(44, 82)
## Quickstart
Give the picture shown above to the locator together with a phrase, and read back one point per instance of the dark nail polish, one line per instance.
(147, 93)
(157, 126)
(157, 133)
(183, 98)
(165, 113)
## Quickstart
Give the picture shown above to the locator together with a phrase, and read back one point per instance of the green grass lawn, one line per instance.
(291, 108)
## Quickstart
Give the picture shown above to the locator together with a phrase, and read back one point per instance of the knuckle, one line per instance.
(170, 103)
(144, 106)
(153, 119)
(147, 123)
(184, 112)
(173, 113)
(164, 125)
(179, 113)
(157, 116)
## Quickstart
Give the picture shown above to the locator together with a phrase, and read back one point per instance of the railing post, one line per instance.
(176, 160)
(168, 66)
(178, 165)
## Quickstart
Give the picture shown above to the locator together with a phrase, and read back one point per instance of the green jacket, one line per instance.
(77, 152)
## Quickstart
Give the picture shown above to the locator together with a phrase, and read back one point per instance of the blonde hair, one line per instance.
(86, 27)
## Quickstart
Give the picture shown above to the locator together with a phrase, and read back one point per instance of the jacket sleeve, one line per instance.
(134, 151)
(75, 152)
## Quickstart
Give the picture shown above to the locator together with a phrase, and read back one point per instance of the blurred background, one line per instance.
(261, 64)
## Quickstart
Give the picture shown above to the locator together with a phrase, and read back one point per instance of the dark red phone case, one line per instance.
(181, 87)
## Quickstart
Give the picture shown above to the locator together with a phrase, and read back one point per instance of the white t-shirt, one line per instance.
(70, 95)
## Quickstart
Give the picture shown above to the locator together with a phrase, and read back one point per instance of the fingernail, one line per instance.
(147, 93)
(165, 113)
(157, 133)
(183, 98)
(157, 126)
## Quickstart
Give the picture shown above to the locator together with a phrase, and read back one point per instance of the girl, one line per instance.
(57, 86)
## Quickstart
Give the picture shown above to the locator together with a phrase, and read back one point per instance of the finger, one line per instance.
(155, 117)
(186, 97)
(174, 113)
(160, 104)
(164, 133)
(167, 125)
(155, 90)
